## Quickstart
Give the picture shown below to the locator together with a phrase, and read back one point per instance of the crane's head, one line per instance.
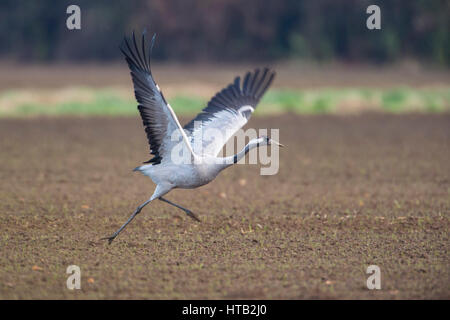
(266, 141)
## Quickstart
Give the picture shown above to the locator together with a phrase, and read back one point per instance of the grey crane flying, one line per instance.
(228, 111)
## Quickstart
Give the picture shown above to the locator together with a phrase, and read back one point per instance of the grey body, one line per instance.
(185, 176)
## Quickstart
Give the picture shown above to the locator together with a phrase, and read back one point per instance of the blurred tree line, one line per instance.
(228, 30)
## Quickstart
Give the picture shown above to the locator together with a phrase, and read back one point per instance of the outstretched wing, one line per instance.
(227, 112)
(158, 118)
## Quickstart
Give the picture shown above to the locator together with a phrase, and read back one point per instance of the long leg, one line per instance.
(188, 212)
(135, 213)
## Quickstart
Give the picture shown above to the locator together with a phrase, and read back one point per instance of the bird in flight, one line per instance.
(227, 111)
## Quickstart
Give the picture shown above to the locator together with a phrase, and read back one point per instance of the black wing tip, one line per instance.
(257, 82)
(265, 69)
(137, 58)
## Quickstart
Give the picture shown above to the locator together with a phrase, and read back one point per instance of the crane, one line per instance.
(228, 111)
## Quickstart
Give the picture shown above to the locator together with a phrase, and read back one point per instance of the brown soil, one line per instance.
(351, 192)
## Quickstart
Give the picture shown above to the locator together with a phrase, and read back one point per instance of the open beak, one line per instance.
(277, 143)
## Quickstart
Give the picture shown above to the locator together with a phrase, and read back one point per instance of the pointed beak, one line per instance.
(277, 143)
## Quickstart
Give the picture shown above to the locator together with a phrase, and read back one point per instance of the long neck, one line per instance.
(228, 161)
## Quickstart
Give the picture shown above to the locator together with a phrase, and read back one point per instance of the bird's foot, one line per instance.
(110, 238)
(192, 215)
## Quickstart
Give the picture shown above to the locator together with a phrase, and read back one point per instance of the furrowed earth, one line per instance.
(351, 191)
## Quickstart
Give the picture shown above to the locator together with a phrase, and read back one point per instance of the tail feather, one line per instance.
(144, 169)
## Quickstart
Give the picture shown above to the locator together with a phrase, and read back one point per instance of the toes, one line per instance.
(110, 239)
(193, 216)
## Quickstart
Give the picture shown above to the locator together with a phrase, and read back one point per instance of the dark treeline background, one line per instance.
(228, 30)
